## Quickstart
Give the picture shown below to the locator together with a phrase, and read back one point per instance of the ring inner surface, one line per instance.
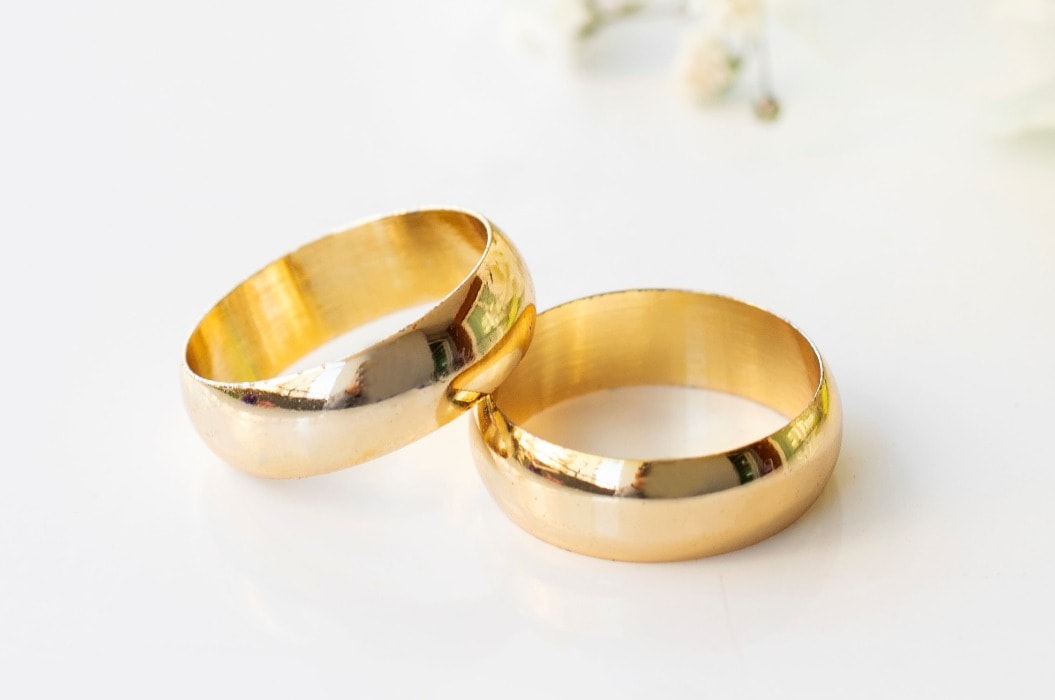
(331, 286)
(662, 337)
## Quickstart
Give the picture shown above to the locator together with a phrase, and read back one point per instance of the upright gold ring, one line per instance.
(347, 411)
(655, 510)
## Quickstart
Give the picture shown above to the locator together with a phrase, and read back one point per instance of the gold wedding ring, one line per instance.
(666, 509)
(344, 412)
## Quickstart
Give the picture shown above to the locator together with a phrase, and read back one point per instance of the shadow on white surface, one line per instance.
(725, 604)
(397, 553)
(721, 602)
(377, 555)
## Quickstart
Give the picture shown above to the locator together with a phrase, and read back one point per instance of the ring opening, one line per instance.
(662, 337)
(654, 422)
(331, 286)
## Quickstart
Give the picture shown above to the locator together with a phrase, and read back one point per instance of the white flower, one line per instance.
(742, 17)
(570, 18)
(550, 26)
(705, 67)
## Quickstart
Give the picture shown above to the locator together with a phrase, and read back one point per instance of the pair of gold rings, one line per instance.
(471, 351)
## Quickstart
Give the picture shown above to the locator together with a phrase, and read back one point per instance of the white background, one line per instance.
(152, 156)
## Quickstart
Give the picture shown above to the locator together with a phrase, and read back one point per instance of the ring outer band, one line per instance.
(539, 484)
(308, 423)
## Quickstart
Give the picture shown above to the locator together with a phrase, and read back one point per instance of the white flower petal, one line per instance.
(705, 67)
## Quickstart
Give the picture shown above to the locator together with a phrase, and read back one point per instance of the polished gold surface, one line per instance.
(628, 506)
(376, 400)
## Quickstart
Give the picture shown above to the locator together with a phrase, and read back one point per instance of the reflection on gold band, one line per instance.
(656, 510)
(344, 412)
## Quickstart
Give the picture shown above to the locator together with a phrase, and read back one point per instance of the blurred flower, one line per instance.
(572, 18)
(767, 108)
(742, 17)
(729, 31)
(551, 26)
(706, 67)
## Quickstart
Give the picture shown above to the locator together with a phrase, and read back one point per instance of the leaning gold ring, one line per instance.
(659, 510)
(367, 404)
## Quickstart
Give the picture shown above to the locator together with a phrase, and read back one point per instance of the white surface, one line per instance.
(152, 156)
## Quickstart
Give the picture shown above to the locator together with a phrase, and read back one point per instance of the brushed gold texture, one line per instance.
(632, 508)
(376, 400)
